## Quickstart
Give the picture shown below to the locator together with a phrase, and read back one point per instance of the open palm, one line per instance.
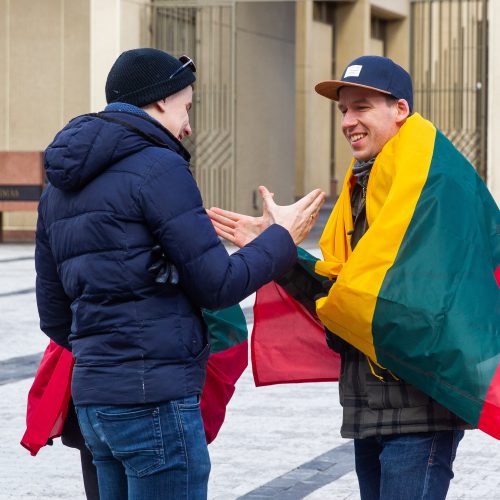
(297, 218)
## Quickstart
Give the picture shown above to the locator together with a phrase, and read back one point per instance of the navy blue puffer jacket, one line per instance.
(120, 184)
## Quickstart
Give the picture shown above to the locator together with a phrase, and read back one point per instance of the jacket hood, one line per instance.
(89, 144)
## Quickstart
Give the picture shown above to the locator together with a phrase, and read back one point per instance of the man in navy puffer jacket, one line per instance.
(119, 185)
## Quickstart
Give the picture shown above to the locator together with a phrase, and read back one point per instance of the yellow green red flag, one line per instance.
(418, 294)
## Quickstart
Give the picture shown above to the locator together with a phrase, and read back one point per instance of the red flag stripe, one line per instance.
(223, 370)
(489, 420)
(288, 344)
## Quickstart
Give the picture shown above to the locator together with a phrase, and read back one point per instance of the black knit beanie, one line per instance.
(142, 76)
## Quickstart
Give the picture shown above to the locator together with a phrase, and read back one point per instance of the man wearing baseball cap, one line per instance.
(120, 186)
(387, 244)
(404, 441)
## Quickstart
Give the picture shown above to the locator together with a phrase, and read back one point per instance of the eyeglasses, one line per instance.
(187, 63)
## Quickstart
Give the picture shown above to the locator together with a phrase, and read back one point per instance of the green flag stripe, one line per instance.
(226, 328)
(308, 262)
(444, 270)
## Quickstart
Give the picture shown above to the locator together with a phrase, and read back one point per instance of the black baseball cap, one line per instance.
(372, 72)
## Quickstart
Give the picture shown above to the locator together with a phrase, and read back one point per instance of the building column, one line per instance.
(397, 42)
(493, 154)
(314, 41)
(303, 35)
(105, 34)
(353, 32)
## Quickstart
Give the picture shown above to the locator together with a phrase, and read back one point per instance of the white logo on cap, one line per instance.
(353, 70)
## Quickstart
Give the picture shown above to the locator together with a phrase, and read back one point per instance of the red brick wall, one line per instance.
(20, 168)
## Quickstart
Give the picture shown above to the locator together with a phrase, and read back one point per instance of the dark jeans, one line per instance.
(73, 438)
(406, 466)
(148, 452)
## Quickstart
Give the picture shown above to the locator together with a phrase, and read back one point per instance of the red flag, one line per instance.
(223, 370)
(288, 343)
(48, 398)
(489, 421)
(49, 395)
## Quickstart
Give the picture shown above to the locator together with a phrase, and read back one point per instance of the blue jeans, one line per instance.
(406, 466)
(148, 452)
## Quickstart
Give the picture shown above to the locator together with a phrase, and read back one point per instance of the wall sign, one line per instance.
(20, 192)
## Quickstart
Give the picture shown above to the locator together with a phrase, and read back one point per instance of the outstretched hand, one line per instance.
(298, 219)
(236, 228)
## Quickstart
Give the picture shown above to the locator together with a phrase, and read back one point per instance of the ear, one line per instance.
(160, 105)
(403, 111)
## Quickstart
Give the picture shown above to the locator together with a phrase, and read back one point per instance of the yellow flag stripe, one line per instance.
(394, 187)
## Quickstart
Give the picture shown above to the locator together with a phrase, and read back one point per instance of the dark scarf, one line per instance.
(361, 170)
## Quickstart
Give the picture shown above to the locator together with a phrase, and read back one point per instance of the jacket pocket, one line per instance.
(202, 357)
(194, 336)
(393, 394)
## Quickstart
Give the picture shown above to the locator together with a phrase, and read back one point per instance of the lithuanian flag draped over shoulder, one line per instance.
(418, 295)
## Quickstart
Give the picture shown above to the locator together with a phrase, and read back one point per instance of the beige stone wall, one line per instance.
(303, 86)
(355, 18)
(54, 59)
(104, 46)
(314, 41)
(319, 126)
(351, 18)
(44, 75)
(4, 74)
(398, 45)
(75, 59)
(44, 69)
(265, 96)
(391, 8)
(313, 130)
(135, 24)
(493, 164)
(115, 26)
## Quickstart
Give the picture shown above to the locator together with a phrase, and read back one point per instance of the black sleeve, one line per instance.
(299, 284)
(172, 206)
(335, 343)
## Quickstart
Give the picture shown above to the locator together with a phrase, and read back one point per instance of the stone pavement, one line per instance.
(278, 442)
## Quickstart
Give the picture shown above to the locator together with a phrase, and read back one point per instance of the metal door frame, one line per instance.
(449, 66)
(213, 156)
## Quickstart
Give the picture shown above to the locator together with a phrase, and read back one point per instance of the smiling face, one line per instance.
(175, 113)
(369, 119)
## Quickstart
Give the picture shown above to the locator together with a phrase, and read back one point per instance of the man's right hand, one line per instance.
(298, 219)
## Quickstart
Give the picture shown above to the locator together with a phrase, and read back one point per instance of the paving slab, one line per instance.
(284, 436)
